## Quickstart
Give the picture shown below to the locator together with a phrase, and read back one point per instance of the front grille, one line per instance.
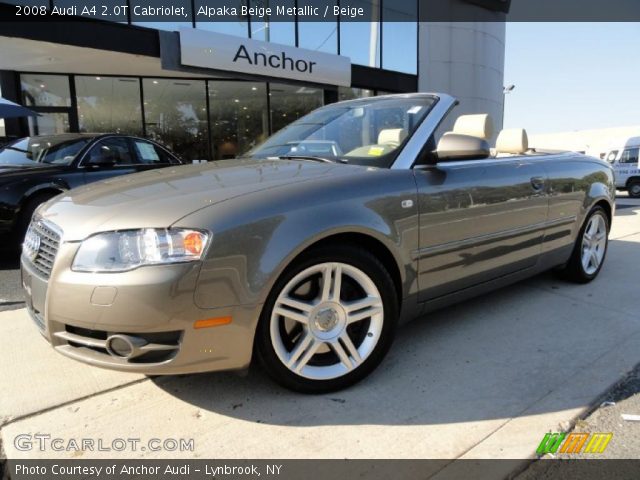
(46, 246)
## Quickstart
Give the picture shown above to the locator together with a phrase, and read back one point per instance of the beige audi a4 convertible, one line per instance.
(308, 251)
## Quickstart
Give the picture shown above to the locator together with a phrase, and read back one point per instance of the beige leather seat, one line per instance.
(478, 125)
(512, 141)
(392, 136)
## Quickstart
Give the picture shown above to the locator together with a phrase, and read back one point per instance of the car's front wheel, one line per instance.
(329, 320)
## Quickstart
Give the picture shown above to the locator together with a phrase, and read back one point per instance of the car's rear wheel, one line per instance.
(590, 249)
(634, 188)
(329, 320)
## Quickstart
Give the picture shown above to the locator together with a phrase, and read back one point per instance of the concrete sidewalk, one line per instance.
(484, 379)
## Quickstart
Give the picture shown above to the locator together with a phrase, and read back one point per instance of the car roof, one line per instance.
(57, 137)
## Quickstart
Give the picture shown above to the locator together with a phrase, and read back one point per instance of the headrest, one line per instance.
(512, 140)
(391, 135)
(479, 125)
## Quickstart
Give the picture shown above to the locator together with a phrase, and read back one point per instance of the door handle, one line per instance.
(537, 183)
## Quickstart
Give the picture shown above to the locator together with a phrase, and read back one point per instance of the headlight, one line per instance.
(129, 249)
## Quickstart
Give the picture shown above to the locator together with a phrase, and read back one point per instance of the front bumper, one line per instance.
(76, 312)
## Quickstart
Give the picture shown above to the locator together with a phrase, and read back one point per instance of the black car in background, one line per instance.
(35, 169)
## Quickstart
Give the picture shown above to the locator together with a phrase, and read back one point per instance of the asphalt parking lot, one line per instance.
(483, 379)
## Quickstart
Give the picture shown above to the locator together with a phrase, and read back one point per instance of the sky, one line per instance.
(572, 76)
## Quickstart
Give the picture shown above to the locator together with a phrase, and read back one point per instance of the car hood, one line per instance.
(159, 198)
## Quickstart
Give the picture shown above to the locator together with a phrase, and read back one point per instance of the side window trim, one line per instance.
(155, 146)
(84, 162)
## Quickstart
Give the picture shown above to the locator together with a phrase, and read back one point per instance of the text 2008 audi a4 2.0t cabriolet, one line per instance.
(310, 249)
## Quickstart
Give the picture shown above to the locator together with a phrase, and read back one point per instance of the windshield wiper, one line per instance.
(310, 157)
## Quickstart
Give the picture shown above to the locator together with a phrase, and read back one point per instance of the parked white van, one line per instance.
(625, 166)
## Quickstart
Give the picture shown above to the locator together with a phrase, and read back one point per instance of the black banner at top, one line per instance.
(193, 12)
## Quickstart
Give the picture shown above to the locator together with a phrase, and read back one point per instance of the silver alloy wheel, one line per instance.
(594, 243)
(634, 189)
(324, 321)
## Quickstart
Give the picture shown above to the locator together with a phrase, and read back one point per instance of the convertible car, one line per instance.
(309, 251)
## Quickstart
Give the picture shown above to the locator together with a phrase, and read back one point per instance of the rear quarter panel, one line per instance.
(575, 184)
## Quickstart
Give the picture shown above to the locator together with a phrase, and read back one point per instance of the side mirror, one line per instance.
(453, 146)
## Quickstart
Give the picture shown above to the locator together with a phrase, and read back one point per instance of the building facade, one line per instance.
(212, 90)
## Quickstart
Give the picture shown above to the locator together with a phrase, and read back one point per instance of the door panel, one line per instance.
(479, 220)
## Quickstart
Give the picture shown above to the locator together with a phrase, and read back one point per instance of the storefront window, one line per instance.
(346, 93)
(360, 40)
(320, 36)
(169, 22)
(175, 114)
(45, 90)
(238, 115)
(400, 36)
(49, 124)
(239, 27)
(288, 103)
(283, 33)
(109, 104)
(275, 28)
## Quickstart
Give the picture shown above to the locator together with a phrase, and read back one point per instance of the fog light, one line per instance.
(124, 346)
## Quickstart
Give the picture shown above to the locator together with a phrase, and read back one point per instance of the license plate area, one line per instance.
(35, 293)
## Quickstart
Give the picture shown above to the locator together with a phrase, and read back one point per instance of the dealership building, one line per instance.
(211, 90)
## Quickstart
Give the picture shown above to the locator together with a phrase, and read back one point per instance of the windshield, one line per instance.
(55, 150)
(363, 132)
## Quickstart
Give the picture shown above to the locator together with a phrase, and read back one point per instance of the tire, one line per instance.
(327, 340)
(26, 213)
(589, 252)
(634, 188)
